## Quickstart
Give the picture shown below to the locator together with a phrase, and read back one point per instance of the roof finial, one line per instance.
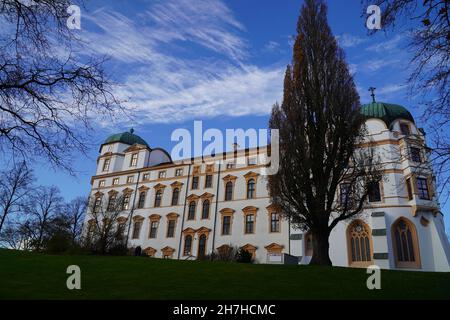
(372, 89)
(131, 130)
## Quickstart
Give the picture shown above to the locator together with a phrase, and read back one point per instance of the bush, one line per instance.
(118, 249)
(59, 242)
(243, 256)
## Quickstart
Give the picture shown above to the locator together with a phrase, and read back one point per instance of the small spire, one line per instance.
(372, 89)
(131, 130)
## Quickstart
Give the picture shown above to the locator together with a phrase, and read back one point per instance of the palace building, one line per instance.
(187, 209)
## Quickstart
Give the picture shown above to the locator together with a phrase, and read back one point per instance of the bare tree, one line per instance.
(42, 207)
(428, 24)
(15, 235)
(14, 187)
(48, 95)
(104, 230)
(74, 212)
(320, 127)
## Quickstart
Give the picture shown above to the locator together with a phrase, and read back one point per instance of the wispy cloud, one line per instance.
(348, 41)
(272, 46)
(387, 45)
(377, 64)
(166, 80)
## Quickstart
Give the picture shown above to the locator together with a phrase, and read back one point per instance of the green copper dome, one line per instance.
(387, 112)
(127, 138)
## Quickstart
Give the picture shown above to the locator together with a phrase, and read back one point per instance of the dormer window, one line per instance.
(134, 158)
(404, 129)
(106, 164)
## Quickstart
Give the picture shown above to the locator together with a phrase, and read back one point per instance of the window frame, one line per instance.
(248, 222)
(106, 164)
(416, 154)
(158, 199)
(134, 159)
(169, 222)
(195, 179)
(208, 178)
(422, 185)
(276, 221)
(141, 200)
(404, 125)
(229, 191)
(139, 223)
(206, 201)
(153, 232)
(192, 204)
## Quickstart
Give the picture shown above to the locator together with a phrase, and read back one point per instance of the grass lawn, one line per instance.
(26, 275)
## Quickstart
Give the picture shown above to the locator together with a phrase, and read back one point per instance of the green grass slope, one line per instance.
(37, 276)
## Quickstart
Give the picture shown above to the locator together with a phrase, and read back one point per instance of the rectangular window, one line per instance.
(249, 223)
(194, 182)
(130, 179)
(409, 189)
(115, 181)
(226, 225)
(374, 192)
(146, 176)
(274, 222)
(404, 129)
(126, 202)
(230, 165)
(422, 187)
(161, 174)
(415, 155)
(106, 164)
(134, 159)
(178, 172)
(345, 193)
(171, 229)
(137, 229)
(208, 181)
(153, 229)
(251, 161)
(101, 183)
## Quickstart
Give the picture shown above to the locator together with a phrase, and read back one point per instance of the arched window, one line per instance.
(158, 197)
(205, 209)
(187, 245)
(141, 202)
(201, 246)
(359, 244)
(251, 189)
(229, 191)
(191, 213)
(406, 247)
(175, 196)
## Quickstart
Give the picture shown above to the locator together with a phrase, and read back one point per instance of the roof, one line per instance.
(126, 137)
(387, 112)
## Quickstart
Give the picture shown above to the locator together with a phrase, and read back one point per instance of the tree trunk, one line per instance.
(321, 246)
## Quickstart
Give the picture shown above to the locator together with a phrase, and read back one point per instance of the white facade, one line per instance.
(400, 211)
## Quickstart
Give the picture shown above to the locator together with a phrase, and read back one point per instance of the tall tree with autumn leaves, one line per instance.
(324, 177)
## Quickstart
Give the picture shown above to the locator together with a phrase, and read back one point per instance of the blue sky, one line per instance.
(222, 62)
